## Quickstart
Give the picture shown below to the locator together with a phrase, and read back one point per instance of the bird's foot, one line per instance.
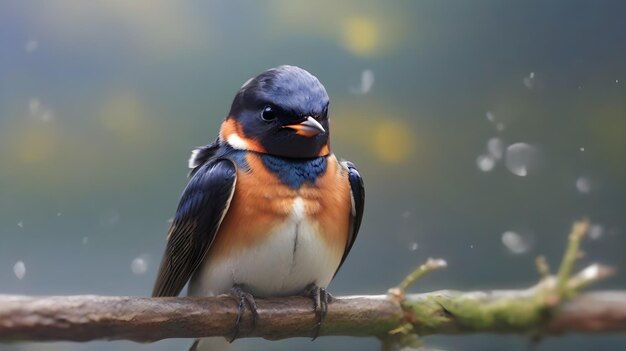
(243, 299)
(321, 299)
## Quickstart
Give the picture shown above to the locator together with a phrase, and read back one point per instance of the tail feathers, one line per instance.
(212, 344)
(194, 346)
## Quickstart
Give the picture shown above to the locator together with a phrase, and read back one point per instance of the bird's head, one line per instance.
(283, 112)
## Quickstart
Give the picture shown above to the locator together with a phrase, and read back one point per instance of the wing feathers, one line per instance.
(357, 197)
(202, 207)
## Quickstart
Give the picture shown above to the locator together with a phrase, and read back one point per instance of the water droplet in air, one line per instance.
(485, 163)
(583, 185)
(367, 82)
(491, 117)
(19, 269)
(139, 265)
(46, 116)
(495, 147)
(85, 240)
(38, 110)
(406, 214)
(529, 81)
(20, 224)
(33, 106)
(515, 243)
(522, 159)
(582, 149)
(31, 46)
(110, 218)
(596, 231)
(413, 246)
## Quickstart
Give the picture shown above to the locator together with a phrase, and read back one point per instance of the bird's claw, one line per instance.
(321, 299)
(243, 299)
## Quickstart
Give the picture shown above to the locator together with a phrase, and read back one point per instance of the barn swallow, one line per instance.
(268, 211)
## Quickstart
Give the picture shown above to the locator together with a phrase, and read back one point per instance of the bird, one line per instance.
(268, 210)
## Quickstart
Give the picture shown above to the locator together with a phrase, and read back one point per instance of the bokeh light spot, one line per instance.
(19, 269)
(123, 114)
(485, 163)
(139, 265)
(516, 243)
(361, 35)
(35, 144)
(522, 159)
(583, 185)
(393, 141)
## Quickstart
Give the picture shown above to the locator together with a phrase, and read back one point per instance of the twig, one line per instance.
(529, 312)
(430, 266)
(542, 267)
(579, 229)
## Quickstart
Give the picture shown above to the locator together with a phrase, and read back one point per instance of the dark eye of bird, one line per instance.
(268, 113)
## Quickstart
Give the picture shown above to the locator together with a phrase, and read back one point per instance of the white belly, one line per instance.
(292, 257)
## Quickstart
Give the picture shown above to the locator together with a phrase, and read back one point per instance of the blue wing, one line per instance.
(202, 207)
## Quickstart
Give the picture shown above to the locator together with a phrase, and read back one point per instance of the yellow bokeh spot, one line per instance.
(36, 144)
(361, 35)
(124, 114)
(393, 141)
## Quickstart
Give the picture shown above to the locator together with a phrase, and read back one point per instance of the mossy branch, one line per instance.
(85, 318)
(553, 306)
(529, 312)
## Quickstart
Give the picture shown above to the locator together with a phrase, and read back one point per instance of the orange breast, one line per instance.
(261, 203)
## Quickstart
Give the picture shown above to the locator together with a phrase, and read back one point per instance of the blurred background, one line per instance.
(483, 129)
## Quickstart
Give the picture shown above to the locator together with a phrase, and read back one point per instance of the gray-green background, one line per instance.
(101, 102)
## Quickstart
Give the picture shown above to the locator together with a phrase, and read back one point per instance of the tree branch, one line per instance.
(553, 306)
(84, 318)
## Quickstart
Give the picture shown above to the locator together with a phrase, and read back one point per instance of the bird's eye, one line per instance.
(268, 113)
